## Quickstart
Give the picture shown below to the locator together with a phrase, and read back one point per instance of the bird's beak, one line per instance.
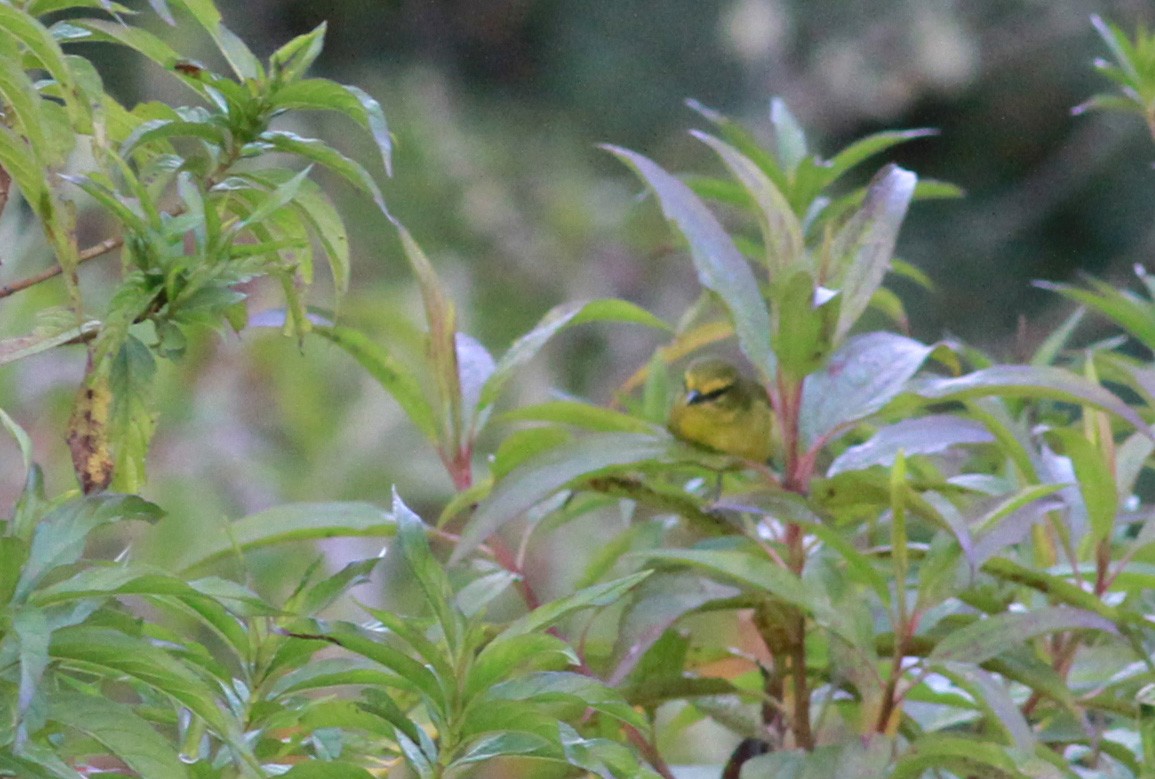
(692, 397)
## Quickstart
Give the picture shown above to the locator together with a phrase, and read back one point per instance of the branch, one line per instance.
(92, 252)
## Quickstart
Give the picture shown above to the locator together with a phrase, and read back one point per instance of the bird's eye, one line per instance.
(693, 397)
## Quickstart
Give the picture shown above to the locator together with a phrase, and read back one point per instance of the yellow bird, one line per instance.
(722, 410)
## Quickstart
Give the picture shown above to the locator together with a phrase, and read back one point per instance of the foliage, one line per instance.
(941, 571)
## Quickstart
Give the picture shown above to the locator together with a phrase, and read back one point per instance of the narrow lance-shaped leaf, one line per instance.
(291, 61)
(324, 154)
(441, 320)
(1126, 309)
(862, 250)
(862, 377)
(396, 378)
(532, 483)
(318, 94)
(288, 522)
(1029, 381)
(1095, 481)
(789, 139)
(865, 148)
(116, 726)
(60, 536)
(924, 435)
(132, 421)
(781, 230)
(555, 320)
(721, 267)
(12, 349)
(428, 572)
(595, 596)
(991, 636)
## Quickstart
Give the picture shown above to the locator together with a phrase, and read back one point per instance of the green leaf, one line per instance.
(744, 141)
(509, 653)
(412, 675)
(428, 572)
(1126, 309)
(132, 422)
(595, 596)
(1096, 481)
(546, 686)
(394, 377)
(864, 148)
(789, 140)
(961, 756)
(284, 523)
(803, 327)
(991, 636)
(136, 38)
(20, 161)
(44, 48)
(112, 652)
(117, 727)
(655, 606)
(721, 267)
(932, 434)
(781, 230)
(283, 194)
(861, 758)
(441, 355)
(506, 743)
(290, 62)
(534, 482)
(21, 438)
(993, 697)
(324, 154)
(166, 129)
(862, 249)
(555, 320)
(1025, 381)
(859, 379)
(318, 94)
(320, 674)
(23, 104)
(60, 537)
(242, 61)
(743, 569)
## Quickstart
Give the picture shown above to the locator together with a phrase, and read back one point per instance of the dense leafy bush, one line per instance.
(943, 569)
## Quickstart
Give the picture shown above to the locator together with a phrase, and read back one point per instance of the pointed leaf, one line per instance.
(533, 482)
(555, 320)
(991, 636)
(925, 435)
(288, 522)
(427, 571)
(862, 377)
(393, 376)
(781, 230)
(1023, 381)
(121, 730)
(721, 267)
(318, 94)
(863, 248)
(596, 596)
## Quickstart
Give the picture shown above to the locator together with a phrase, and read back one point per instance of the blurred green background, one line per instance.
(497, 107)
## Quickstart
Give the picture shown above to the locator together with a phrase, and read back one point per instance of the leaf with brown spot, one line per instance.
(88, 433)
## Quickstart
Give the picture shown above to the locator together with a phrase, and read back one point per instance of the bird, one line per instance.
(724, 411)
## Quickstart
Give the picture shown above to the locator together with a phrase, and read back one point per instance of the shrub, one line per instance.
(941, 571)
